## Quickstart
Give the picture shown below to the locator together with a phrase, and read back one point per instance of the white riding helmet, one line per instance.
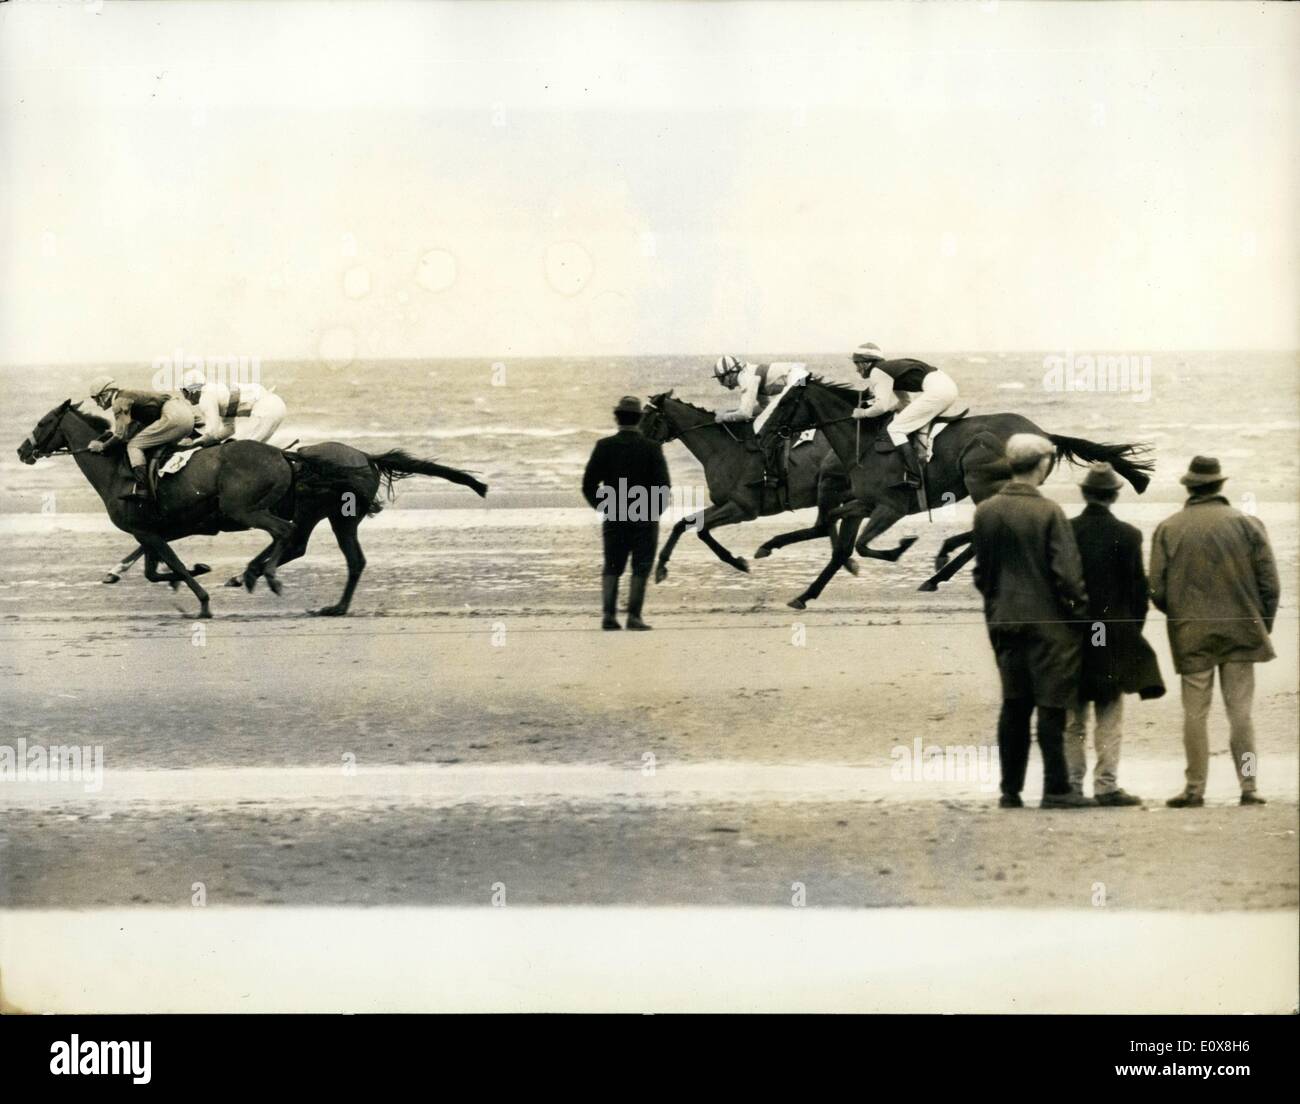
(192, 384)
(867, 352)
(726, 369)
(100, 384)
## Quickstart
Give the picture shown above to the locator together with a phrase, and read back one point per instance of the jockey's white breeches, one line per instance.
(264, 418)
(938, 392)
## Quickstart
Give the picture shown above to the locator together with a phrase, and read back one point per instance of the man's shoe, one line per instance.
(1117, 798)
(1010, 801)
(1250, 797)
(1186, 801)
(1068, 800)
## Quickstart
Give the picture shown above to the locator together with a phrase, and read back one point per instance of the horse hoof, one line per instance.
(661, 573)
(205, 614)
(110, 578)
(797, 603)
(851, 566)
(742, 564)
(250, 581)
(762, 553)
(277, 588)
(330, 611)
(928, 586)
(200, 569)
(235, 581)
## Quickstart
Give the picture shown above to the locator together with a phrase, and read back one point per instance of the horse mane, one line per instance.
(657, 400)
(843, 390)
(92, 420)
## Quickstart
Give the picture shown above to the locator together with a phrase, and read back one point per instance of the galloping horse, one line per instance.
(233, 487)
(733, 470)
(968, 460)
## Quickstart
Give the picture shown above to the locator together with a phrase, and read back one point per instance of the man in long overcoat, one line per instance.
(1116, 658)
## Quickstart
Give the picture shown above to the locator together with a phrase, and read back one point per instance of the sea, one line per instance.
(528, 426)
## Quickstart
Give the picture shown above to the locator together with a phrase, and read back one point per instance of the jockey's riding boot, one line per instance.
(911, 466)
(609, 596)
(635, 600)
(141, 488)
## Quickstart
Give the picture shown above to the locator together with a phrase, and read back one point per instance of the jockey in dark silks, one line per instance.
(915, 392)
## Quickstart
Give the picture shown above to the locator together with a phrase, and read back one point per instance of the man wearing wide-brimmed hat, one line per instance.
(1116, 659)
(1213, 575)
(627, 481)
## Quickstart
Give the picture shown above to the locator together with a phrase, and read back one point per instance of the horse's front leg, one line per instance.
(661, 567)
(840, 557)
(158, 549)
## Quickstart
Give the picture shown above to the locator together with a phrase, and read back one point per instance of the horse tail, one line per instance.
(398, 464)
(1129, 460)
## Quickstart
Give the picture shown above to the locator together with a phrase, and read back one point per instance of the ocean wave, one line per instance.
(321, 433)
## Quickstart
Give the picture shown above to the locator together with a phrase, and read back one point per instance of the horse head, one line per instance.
(47, 437)
(654, 424)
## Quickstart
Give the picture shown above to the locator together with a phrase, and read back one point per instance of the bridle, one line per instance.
(675, 433)
(39, 450)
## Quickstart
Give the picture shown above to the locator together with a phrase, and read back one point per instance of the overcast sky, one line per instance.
(389, 180)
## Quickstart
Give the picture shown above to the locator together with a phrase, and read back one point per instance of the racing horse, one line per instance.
(733, 471)
(233, 487)
(968, 460)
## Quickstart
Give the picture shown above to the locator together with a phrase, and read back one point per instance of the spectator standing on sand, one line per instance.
(1027, 568)
(1213, 575)
(1116, 659)
(627, 481)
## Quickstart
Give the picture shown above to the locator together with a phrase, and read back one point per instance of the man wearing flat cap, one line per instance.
(1027, 568)
(627, 481)
(1116, 659)
(1213, 575)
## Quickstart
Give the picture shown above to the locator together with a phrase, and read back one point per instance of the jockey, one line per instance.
(165, 418)
(757, 384)
(218, 405)
(917, 391)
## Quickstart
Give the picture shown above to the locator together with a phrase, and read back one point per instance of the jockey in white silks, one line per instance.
(757, 384)
(914, 391)
(259, 409)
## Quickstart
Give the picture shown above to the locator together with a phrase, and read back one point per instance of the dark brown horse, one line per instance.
(968, 460)
(733, 470)
(233, 487)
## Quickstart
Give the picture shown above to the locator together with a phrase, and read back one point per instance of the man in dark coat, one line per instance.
(1214, 576)
(627, 481)
(1116, 659)
(1027, 568)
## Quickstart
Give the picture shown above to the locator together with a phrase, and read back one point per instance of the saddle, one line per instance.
(934, 425)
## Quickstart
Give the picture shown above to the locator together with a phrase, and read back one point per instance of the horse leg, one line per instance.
(882, 517)
(160, 549)
(115, 573)
(152, 573)
(715, 517)
(946, 548)
(949, 570)
(661, 568)
(840, 557)
(345, 532)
